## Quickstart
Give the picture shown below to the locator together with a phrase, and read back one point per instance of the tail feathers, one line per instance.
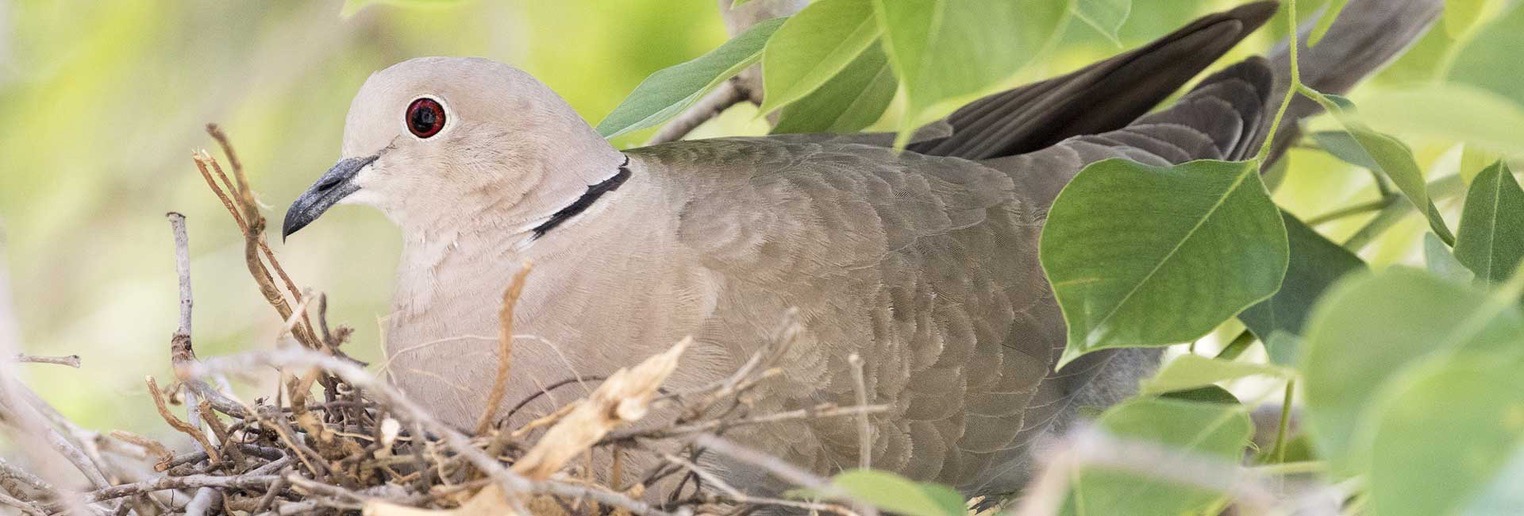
(1231, 108)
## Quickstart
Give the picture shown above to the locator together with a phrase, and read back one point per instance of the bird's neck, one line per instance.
(504, 219)
(515, 196)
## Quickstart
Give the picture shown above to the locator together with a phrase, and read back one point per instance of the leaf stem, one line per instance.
(1384, 220)
(1439, 189)
(1367, 207)
(1293, 468)
(1236, 346)
(1285, 423)
(1291, 90)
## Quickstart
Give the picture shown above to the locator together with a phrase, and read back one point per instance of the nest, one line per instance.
(335, 438)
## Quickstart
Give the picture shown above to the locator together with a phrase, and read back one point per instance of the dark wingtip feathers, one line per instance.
(1254, 15)
(1099, 98)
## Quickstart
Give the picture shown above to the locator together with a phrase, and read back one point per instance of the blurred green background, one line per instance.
(103, 103)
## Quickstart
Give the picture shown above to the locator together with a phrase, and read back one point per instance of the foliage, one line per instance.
(666, 93)
(1180, 251)
(1177, 251)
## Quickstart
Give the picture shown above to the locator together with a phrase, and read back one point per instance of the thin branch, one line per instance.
(1349, 211)
(243, 191)
(724, 96)
(181, 350)
(10, 474)
(184, 482)
(818, 411)
(182, 268)
(777, 467)
(180, 424)
(22, 506)
(864, 429)
(66, 360)
(23, 421)
(739, 497)
(402, 408)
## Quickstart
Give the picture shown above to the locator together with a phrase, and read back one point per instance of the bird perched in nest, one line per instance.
(923, 262)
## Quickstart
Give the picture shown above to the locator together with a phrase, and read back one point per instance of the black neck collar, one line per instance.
(585, 201)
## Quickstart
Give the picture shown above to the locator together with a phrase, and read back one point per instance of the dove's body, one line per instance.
(923, 263)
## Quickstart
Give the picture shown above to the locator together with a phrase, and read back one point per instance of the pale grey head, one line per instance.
(452, 142)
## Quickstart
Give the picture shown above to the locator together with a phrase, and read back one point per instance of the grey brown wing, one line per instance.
(925, 267)
(1223, 118)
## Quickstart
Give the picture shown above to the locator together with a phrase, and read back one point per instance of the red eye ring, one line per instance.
(425, 117)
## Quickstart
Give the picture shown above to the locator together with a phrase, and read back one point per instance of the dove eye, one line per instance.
(425, 117)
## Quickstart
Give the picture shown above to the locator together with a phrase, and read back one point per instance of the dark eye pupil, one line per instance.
(425, 117)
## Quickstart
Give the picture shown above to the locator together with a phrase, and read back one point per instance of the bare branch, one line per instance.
(739, 19)
(22, 506)
(783, 470)
(180, 424)
(724, 96)
(746, 86)
(181, 349)
(182, 268)
(186, 482)
(26, 423)
(864, 429)
(67, 360)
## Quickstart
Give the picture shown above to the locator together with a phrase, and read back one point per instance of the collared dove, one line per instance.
(922, 262)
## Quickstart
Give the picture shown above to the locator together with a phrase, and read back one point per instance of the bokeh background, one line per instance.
(102, 103)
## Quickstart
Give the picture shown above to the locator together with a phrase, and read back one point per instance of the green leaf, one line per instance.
(897, 494)
(1461, 16)
(1325, 21)
(813, 46)
(1444, 432)
(1474, 160)
(1203, 429)
(1363, 147)
(1453, 112)
(1491, 59)
(852, 100)
(1441, 262)
(1491, 240)
(1208, 394)
(1285, 349)
(1316, 263)
(1107, 16)
(949, 51)
(1175, 251)
(671, 90)
(1192, 371)
(1369, 328)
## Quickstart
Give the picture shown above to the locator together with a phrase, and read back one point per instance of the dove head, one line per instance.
(455, 144)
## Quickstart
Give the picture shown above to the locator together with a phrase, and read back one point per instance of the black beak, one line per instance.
(335, 184)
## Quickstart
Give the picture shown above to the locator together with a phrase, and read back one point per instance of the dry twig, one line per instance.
(67, 360)
(504, 347)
